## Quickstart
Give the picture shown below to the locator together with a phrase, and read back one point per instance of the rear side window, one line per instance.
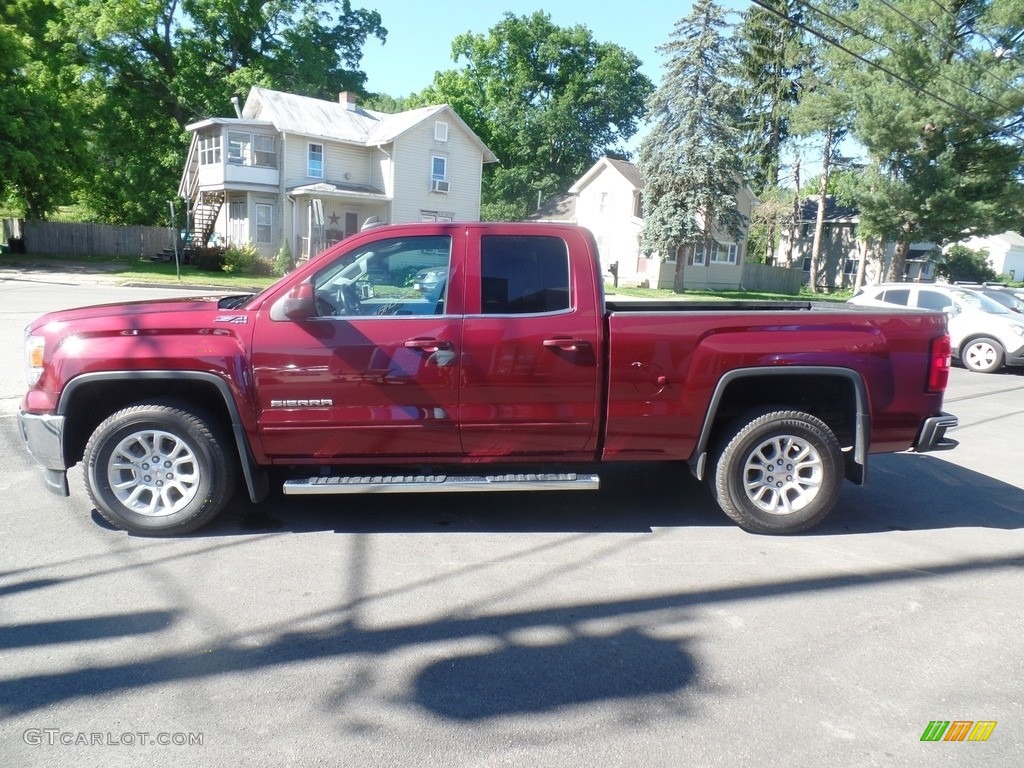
(896, 296)
(933, 300)
(522, 275)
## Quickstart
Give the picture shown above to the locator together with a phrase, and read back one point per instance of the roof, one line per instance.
(306, 116)
(834, 212)
(627, 170)
(557, 208)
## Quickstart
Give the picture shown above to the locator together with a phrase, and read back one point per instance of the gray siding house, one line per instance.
(309, 172)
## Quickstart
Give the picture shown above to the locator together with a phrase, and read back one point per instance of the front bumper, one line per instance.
(43, 435)
(932, 436)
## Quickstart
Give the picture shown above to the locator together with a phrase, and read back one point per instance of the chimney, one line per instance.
(348, 98)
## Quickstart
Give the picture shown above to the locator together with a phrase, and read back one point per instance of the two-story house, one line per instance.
(842, 248)
(608, 200)
(309, 172)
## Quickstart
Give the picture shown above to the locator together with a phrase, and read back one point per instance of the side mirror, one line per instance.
(297, 304)
(952, 310)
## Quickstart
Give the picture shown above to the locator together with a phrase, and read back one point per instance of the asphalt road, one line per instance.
(635, 626)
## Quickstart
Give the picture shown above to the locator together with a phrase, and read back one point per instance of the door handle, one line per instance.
(428, 344)
(565, 343)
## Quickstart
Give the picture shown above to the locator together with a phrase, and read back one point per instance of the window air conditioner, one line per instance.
(436, 185)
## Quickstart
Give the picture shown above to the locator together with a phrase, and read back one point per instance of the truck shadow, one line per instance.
(905, 492)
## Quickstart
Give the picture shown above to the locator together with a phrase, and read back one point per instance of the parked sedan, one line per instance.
(428, 279)
(984, 333)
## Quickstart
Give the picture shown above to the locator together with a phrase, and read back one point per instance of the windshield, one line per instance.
(984, 303)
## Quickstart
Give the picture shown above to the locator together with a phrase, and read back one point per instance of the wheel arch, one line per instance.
(90, 398)
(837, 396)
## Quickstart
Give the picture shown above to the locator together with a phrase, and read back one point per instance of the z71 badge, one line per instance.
(236, 319)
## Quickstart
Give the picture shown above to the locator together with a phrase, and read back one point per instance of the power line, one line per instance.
(894, 75)
(949, 45)
(858, 32)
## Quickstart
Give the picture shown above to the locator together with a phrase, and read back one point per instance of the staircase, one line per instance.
(204, 217)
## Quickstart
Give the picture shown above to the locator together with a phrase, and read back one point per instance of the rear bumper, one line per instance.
(932, 436)
(43, 435)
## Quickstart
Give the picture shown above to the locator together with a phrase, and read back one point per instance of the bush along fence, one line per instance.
(76, 239)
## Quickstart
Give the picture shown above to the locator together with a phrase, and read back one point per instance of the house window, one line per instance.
(440, 131)
(236, 221)
(724, 253)
(850, 267)
(351, 223)
(315, 161)
(671, 256)
(438, 174)
(264, 223)
(602, 202)
(638, 205)
(263, 151)
(209, 149)
(698, 254)
(238, 147)
(436, 216)
(807, 264)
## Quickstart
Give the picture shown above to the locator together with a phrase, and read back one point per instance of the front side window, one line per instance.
(264, 223)
(398, 277)
(523, 274)
(315, 161)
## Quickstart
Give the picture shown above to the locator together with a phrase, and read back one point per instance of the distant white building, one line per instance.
(311, 172)
(1005, 253)
(608, 200)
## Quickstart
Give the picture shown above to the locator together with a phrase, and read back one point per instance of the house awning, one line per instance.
(341, 191)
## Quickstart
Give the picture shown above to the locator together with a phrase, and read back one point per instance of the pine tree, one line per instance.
(690, 160)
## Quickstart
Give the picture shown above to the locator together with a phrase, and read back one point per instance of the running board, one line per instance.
(441, 484)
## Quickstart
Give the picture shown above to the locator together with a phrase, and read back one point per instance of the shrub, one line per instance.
(962, 263)
(284, 262)
(208, 259)
(245, 260)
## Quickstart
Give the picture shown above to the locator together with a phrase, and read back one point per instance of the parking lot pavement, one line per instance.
(634, 626)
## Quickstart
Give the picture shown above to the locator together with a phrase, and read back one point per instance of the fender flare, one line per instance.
(856, 465)
(256, 480)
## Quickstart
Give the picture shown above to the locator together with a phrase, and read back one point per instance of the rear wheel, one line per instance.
(779, 472)
(158, 470)
(982, 355)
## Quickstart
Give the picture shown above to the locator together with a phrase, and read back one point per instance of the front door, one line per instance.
(375, 374)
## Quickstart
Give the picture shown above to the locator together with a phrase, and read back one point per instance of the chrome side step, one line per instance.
(569, 481)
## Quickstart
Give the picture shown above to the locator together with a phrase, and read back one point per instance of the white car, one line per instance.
(985, 334)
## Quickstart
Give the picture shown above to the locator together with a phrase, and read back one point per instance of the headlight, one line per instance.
(1018, 329)
(35, 346)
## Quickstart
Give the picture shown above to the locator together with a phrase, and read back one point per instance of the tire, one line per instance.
(746, 479)
(982, 355)
(197, 475)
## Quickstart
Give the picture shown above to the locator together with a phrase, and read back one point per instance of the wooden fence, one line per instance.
(761, 277)
(74, 239)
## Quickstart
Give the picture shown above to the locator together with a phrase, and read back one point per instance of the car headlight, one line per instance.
(35, 346)
(1018, 329)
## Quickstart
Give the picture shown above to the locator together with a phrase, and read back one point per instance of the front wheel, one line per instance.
(779, 472)
(983, 355)
(158, 470)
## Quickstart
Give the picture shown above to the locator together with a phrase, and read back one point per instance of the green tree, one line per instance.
(772, 55)
(41, 151)
(690, 160)
(962, 263)
(547, 100)
(153, 66)
(940, 112)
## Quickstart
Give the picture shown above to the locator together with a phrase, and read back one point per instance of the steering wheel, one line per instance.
(348, 296)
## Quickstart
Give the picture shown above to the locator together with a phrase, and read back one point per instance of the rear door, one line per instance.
(530, 373)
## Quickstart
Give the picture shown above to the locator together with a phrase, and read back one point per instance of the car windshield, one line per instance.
(984, 303)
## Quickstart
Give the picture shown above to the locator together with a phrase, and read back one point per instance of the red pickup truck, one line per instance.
(472, 357)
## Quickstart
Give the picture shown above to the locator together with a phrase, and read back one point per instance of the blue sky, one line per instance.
(420, 32)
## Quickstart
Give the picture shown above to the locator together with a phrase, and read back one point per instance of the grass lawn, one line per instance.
(130, 269)
(664, 293)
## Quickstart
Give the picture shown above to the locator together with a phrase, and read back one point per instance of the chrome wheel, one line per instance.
(783, 475)
(154, 473)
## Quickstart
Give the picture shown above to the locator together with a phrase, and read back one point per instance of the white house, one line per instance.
(309, 172)
(1005, 253)
(608, 200)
